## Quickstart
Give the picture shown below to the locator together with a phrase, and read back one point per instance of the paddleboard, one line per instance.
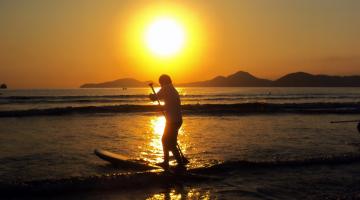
(123, 161)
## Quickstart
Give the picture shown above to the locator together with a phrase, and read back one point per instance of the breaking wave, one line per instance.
(211, 109)
(140, 97)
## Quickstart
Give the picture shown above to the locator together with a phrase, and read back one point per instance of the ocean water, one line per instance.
(243, 143)
(42, 99)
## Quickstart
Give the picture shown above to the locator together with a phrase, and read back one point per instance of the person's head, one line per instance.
(165, 80)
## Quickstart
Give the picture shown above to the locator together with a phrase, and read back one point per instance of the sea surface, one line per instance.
(243, 143)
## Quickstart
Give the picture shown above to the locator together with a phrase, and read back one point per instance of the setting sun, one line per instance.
(165, 37)
(162, 38)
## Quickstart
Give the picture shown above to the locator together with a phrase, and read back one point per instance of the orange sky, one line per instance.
(62, 44)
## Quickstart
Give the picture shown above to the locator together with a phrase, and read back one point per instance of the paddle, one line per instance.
(184, 159)
(348, 121)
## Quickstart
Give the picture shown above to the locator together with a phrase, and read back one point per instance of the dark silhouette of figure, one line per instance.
(3, 86)
(173, 116)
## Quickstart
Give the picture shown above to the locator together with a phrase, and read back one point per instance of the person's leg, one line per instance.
(165, 145)
(165, 149)
(174, 149)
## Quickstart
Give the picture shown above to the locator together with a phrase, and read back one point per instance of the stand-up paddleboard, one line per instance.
(123, 161)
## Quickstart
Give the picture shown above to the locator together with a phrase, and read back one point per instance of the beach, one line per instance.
(248, 153)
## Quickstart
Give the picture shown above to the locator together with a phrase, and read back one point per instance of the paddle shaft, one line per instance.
(346, 121)
(158, 100)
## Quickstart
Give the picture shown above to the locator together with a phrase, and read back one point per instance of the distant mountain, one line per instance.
(119, 83)
(244, 79)
(302, 79)
(239, 79)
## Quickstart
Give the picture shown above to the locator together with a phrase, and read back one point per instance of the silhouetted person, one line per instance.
(172, 111)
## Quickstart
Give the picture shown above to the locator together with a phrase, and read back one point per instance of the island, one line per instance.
(245, 79)
(119, 83)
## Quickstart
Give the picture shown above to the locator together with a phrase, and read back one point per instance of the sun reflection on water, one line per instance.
(154, 151)
(157, 125)
(181, 194)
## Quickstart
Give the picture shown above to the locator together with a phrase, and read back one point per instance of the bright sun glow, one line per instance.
(162, 38)
(165, 37)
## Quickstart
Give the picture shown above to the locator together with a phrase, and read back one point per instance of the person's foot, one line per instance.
(185, 161)
(180, 167)
(163, 165)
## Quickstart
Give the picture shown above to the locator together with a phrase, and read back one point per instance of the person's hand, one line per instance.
(152, 97)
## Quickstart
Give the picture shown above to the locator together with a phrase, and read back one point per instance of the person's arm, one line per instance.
(159, 95)
(152, 97)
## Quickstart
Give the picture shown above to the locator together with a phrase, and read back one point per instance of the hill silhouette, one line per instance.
(119, 83)
(302, 79)
(239, 79)
(245, 79)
